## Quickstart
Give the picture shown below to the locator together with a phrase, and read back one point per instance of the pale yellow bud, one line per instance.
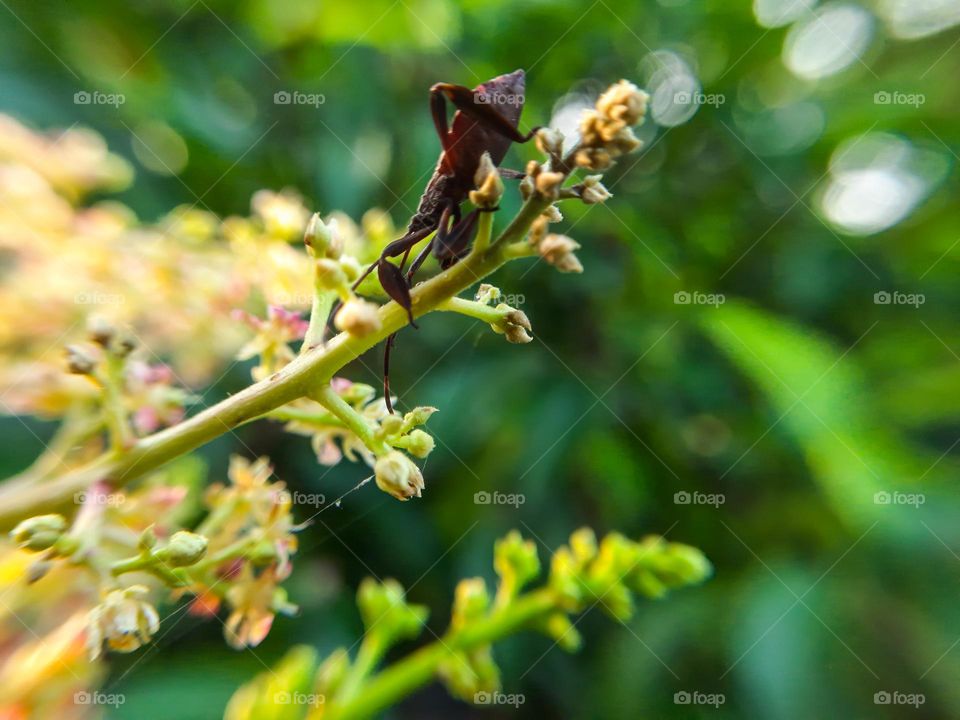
(358, 317)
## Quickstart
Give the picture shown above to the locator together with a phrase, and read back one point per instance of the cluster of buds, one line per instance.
(512, 323)
(130, 389)
(605, 131)
(404, 432)
(610, 572)
(558, 250)
(541, 180)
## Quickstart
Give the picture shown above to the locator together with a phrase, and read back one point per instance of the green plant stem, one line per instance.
(116, 414)
(328, 397)
(371, 652)
(291, 414)
(306, 372)
(472, 308)
(319, 312)
(419, 668)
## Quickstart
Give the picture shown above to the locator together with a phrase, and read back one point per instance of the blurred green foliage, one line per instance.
(798, 398)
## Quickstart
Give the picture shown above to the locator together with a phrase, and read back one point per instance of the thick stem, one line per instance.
(420, 667)
(292, 382)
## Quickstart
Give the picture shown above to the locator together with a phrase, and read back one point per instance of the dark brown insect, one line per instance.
(487, 118)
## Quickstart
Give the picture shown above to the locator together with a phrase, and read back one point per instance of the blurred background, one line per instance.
(761, 358)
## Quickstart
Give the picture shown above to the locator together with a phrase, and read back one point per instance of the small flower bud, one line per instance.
(391, 425)
(418, 416)
(559, 627)
(148, 539)
(558, 250)
(40, 532)
(489, 185)
(79, 360)
(548, 184)
(518, 317)
(517, 335)
(471, 601)
(185, 548)
(358, 317)
(100, 330)
(419, 443)
(550, 141)
(320, 238)
(397, 475)
(593, 191)
(552, 214)
(329, 274)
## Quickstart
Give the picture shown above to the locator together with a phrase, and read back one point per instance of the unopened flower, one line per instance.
(40, 532)
(80, 361)
(550, 142)
(513, 325)
(358, 317)
(605, 132)
(329, 275)
(558, 250)
(419, 443)
(397, 475)
(321, 238)
(489, 185)
(593, 191)
(184, 548)
(542, 181)
(123, 621)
